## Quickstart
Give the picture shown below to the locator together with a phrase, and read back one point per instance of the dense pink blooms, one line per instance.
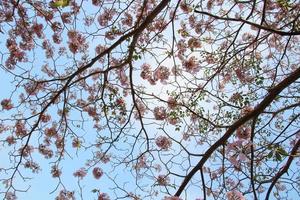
(6, 104)
(77, 42)
(97, 172)
(45, 118)
(55, 171)
(146, 71)
(45, 151)
(20, 129)
(106, 16)
(172, 103)
(50, 132)
(191, 65)
(127, 20)
(160, 113)
(10, 196)
(243, 132)
(66, 17)
(163, 142)
(194, 43)
(235, 195)
(162, 73)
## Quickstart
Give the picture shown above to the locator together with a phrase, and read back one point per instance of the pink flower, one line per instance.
(235, 195)
(76, 143)
(20, 129)
(6, 104)
(80, 173)
(243, 133)
(162, 74)
(163, 142)
(163, 180)
(96, 2)
(191, 65)
(106, 17)
(10, 140)
(50, 132)
(77, 42)
(171, 102)
(45, 118)
(127, 20)
(160, 113)
(194, 43)
(103, 196)
(55, 171)
(97, 172)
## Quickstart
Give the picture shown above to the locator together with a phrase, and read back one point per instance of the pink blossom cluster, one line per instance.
(77, 42)
(163, 142)
(243, 132)
(162, 73)
(20, 129)
(242, 75)
(66, 17)
(32, 165)
(97, 2)
(10, 196)
(32, 88)
(65, 195)
(45, 151)
(81, 173)
(105, 158)
(127, 20)
(16, 54)
(163, 180)
(38, 29)
(173, 120)
(55, 171)
(45, 118)
(235, 195)
(237, 151)
(26, 151)
(51, 132)
(106, 16)
(141, 163)
(48, 48)
(97, 172)
(141, 107)
(76, 143)
(160, 113)
(6, 104)
(194, 43)
(10, 140)
(103, 196)
(172, 103)
(191, 65)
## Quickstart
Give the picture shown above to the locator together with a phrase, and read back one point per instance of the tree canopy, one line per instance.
(150, 99)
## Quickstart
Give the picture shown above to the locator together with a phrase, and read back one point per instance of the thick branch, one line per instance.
(259, 109)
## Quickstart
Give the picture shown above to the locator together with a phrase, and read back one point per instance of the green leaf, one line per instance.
(282, 151)
(59, 3)
(270, 155)
(278, 156)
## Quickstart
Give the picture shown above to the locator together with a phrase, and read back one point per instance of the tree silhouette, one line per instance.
(151, 99)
